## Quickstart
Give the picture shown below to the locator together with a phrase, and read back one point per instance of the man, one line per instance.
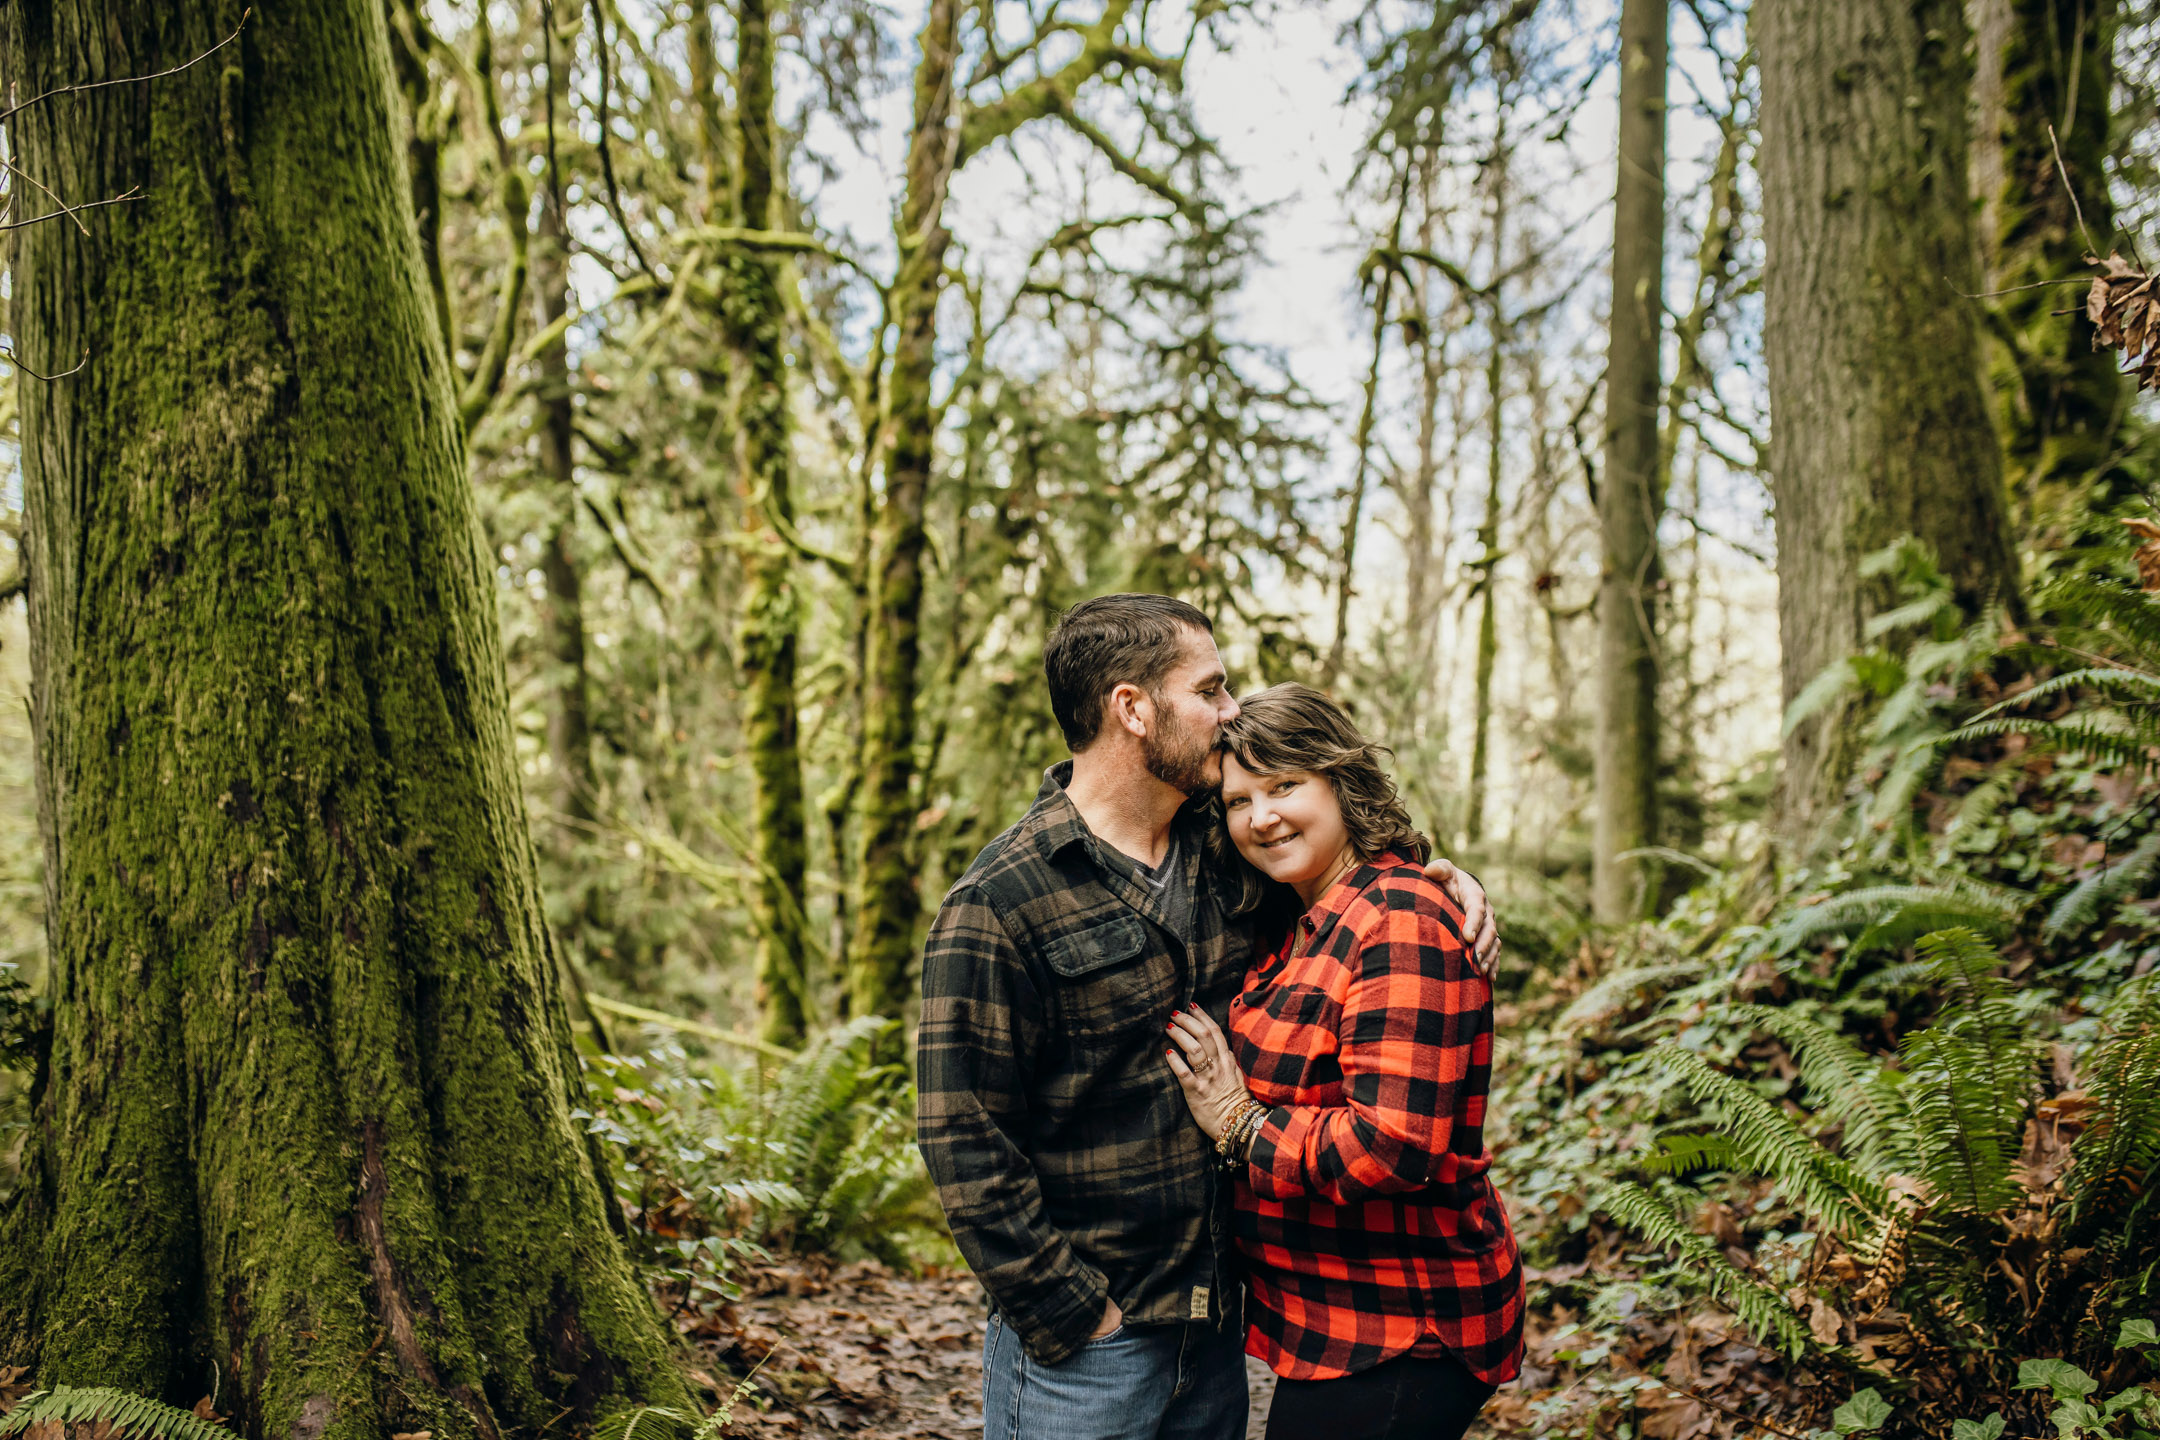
(1086, 1201)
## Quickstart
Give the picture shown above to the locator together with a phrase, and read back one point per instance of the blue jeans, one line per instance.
(1140, 1382)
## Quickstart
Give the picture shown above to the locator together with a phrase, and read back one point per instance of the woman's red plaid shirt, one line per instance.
(1365, 1215)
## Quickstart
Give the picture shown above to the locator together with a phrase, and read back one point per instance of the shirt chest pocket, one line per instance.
(1112, 980)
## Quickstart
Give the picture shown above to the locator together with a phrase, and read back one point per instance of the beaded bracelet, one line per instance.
(1236, 1139)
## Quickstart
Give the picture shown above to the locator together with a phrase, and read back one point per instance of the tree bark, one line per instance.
(766, 632)
(2059, 404)
(883, 943)
(1880, 423)
(1632, 499)
(306, 1112)
(1488, 645)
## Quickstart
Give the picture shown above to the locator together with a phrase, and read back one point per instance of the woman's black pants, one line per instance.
(1412, 1397)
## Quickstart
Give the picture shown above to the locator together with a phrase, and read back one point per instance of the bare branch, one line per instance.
(16, 360)
(69, 210)
(12, 112)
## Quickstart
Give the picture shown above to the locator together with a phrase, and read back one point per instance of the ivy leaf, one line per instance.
(2073, 1418)
(1988, 1429)
(2137, 1332)
(2059, 1377)
(1864, 1412)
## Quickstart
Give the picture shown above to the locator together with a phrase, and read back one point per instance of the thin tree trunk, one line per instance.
(562, 616)
(1488, 646)
(766, 634)
(2059, 404)
(1882, 425)
(884, 937)
(1632, 498)
(306, 1112)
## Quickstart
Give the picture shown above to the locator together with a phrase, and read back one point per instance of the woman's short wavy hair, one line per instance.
(1295, 727)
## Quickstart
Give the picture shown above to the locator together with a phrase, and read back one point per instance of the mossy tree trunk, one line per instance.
(883, 941)
(766, 635)
(1880, 424)
(2059, 404)
(303, 1130)
(1631, 500)
(562, 615)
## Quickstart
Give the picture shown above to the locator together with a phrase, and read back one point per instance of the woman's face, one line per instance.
(1288, 826)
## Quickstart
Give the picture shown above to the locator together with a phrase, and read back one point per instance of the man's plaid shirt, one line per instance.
(1368, 1225)
(1069, 1166)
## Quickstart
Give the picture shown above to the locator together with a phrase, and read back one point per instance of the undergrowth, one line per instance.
(717, 1163)
(1899, 1163)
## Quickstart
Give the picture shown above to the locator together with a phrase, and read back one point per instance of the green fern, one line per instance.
(2119, 1152)
(1760, 1308)
(131, 1417)
(2080, 905)
(1859, 1093)
(1684, 1154)
(1827, 1186)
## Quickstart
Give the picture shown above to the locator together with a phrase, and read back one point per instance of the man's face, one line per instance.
(1190, 705)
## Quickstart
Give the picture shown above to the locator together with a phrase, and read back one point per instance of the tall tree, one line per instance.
(940, 141)
(1880, 425)
(2042, 88)
(754, 317)
(1632, 498)
(305, 1111)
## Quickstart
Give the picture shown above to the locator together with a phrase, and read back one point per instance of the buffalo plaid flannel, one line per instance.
(1069, 1166)
(1367, 1222)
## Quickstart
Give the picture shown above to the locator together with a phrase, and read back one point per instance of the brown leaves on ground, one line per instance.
(857, 1350)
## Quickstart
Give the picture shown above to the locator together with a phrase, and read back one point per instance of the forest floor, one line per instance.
(864, 1351)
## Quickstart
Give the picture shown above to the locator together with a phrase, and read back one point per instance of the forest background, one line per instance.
(1772, 641)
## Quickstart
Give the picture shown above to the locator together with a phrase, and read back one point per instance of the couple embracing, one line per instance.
(1202, 1069)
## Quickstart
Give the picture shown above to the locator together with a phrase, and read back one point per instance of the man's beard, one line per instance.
(1176, 756)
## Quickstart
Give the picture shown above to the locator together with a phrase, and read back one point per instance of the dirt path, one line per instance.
(861, 1351)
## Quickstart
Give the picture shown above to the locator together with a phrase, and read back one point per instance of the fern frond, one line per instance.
(1844, 1083)
(1830, 1189)
(1971, 1076)
(1759, 1307)
(2105, 738)
(121, 1415)
(1685, 1154)
(1980, 805)
(1913, 612)
(2110, 680)
(1622, 989)
(2125, 611)
(1973, 902)
(1820, 693)
(1966, 1149)
(2080, 906)
(2120, 1150)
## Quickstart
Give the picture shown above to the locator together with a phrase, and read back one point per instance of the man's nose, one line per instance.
(1229, 710)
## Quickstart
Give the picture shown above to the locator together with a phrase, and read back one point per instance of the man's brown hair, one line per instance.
(1110, 641)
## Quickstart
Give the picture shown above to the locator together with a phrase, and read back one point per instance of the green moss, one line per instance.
(308, 1109)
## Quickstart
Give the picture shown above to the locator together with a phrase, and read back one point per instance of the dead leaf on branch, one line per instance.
(2148, 554)
(2120, 305)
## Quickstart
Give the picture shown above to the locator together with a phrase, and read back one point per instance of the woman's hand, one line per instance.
(1200, 1058)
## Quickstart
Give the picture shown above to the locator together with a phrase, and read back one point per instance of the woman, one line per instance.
(1349, 1098)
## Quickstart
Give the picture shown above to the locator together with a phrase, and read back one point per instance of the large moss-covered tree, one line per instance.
(303, 1129)
(1879, 422)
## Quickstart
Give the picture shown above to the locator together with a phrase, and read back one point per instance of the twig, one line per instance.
(65, 208)
(2016, 289)
(607, 153)
(2071, 191)
(70, 210)
(16, 360)
(9, 114)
